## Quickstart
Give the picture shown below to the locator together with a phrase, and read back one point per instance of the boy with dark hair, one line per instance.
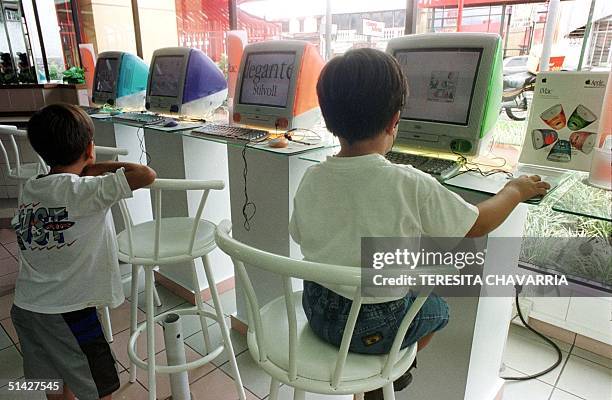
(358, 193)
(69, 262)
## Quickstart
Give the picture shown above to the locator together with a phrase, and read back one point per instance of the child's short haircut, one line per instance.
(60, 133)
(359, 92)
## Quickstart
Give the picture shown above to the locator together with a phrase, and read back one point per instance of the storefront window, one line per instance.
(260, 28)
(202, 25)
(108, 25)
(16, 56)
(158, 25)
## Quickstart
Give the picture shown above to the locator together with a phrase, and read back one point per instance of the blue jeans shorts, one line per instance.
(377, 324)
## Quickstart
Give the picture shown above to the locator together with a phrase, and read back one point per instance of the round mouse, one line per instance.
(170, 123)
(278, 143)
(115, 112)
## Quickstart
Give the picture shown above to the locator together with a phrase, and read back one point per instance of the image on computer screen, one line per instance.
(441, 83)
(106, 78)
(166, 76)
(266, 78)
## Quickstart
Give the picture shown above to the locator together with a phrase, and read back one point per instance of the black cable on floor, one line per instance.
(547, 340)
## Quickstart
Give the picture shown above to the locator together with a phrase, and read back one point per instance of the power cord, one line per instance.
(248, 208)
(475, 167)
(518, 290)
(143, 151)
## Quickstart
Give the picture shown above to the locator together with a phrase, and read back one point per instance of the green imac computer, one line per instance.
(454, 90)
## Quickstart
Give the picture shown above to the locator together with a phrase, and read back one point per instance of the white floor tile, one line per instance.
(5, 340)
(11, 363)
(586, 379)
(196, 342)
(559, 394)
(169, 300)
(527, 390)
(524, 332)
(531, 356)
(253, 378)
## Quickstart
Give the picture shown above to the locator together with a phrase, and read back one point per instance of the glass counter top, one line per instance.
(584, 200)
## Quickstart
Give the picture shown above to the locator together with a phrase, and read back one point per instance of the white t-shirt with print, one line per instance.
(343, 199)
(68, 246)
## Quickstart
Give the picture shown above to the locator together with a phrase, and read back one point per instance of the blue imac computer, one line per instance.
(184, 81)
(455, 89)
(120, 80)
(276, 87)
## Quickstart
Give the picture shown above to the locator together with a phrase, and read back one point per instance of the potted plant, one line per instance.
(74, 75)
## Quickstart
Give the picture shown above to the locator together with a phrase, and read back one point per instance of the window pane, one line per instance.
(11, 21)
(158, 25)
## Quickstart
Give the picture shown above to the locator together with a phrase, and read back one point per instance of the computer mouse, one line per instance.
(170, 123)
(278, 143)
(115, 112)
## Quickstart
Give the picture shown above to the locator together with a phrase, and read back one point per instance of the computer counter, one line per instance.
(273, 176)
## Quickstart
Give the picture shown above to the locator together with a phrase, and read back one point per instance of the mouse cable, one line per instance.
(143, 151)
(518, 289)
(248, 207)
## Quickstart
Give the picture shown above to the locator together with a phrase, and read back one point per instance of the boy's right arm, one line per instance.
(494, 211)
(137, 175)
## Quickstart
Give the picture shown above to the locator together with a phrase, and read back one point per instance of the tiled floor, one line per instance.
(581, 375)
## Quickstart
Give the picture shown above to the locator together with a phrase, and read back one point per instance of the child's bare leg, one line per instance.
(66, 395)
(424, 341)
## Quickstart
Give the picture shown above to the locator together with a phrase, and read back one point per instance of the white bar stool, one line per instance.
(283, 345)
(21, 172)
(168, 241)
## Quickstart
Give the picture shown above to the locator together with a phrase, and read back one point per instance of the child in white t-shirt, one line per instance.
(358, 193)
(68, 250)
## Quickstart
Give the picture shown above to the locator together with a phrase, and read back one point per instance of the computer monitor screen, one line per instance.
(266, 78)
(441, 83)
(107, 71)
(166, 75)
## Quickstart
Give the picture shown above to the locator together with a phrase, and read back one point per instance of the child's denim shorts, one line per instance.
(377, 324)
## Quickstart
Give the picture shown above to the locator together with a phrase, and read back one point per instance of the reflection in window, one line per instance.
(15, 55)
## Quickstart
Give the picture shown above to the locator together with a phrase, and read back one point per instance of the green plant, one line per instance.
(53, 72)
(74, 75)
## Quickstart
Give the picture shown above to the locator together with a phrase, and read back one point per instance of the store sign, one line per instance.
(372, 28)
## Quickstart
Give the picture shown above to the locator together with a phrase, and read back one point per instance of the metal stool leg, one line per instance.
(200, 305)
(299, 394)
(106, 324)
(150, 332)
(274, 386)
(134, 313)
(158, 302)
(224, 331)
(388, 392)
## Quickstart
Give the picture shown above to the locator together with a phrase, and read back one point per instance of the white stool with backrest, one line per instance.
(20, 172)
(112, 154)
(169, 241)
(283, 345)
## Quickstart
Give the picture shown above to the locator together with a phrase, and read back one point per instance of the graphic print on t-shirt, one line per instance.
(41, 228)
